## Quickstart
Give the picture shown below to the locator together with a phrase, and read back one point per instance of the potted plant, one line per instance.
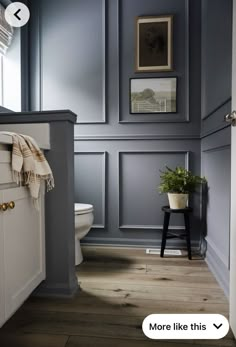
(178, 183)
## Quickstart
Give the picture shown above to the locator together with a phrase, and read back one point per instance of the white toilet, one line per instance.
(83, 223)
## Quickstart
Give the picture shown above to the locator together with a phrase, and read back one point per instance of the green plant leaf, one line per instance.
(179, 180)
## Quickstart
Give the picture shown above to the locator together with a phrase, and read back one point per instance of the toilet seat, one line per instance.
(82, 208)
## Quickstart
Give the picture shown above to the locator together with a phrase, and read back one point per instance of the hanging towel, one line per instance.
(29, 165)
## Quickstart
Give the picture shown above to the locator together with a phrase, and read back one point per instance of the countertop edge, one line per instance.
(38, 117)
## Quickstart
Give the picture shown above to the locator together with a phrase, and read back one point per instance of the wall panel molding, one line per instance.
(127, 242)
(213, 131)
(187, 71)
(215, 64)
(104, 185)
(37, 102)
(212, 113)
(216, 148)
(161, 117)
(214, 121)
(143, 227)
(134, 137)
(104, 68)
(149, 227)
(217, 139)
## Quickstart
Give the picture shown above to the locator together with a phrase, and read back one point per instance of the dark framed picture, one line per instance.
(153, 95)
(154, 43)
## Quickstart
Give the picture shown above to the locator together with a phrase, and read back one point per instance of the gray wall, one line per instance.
(216, 102)
(82, 56)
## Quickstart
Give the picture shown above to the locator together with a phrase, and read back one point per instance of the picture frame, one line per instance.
(154, 43)
(153, 95)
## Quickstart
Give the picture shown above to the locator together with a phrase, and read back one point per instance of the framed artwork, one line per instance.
(154, 43)
(153, 95)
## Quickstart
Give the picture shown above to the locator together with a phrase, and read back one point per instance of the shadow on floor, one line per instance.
(89, 320)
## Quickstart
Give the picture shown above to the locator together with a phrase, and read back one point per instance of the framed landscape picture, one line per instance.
(154, 43)
(153, 95)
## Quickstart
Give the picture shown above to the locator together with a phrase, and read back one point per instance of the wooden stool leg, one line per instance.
(187, 229)
(165, 230)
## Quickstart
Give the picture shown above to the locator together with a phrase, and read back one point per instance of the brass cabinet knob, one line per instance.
(7, 205)
(4, 206)
(11, 205)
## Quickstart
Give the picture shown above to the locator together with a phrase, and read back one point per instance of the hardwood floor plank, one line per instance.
(64, 323)
(76, 341)
(112, 268)
(135, 291)
(32, 340)
(122, 306)
(201, 271)
(87, 267)
(167, 280)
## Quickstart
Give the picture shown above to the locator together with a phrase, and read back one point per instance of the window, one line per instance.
(10, 65)
(1, 80)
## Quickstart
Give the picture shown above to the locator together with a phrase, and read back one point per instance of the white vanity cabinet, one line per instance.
(22, 242)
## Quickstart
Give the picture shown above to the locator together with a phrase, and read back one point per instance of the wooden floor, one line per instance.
(119, 287)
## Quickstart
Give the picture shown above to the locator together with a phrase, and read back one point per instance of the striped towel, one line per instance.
(29, 165)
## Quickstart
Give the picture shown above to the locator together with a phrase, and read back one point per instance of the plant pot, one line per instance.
(177, 201)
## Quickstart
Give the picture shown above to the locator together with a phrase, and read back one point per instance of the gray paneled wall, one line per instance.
(72, 57)
(216, 102)
(90, 168)
(128, 10)
(216, 57)
(84, 59)
(132, 208)
(139, 202)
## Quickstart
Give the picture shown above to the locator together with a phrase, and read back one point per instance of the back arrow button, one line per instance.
(16, 14)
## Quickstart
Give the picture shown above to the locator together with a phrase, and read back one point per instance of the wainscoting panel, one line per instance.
(139, 200)
(215, 121)
(90, 177)
(216, 168)
(180, 12)
(216, 62)
(133, 204)
(66, 57)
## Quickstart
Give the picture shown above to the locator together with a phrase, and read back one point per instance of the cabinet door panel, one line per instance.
(24, 259)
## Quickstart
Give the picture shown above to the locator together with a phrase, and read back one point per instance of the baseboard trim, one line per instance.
(218, 268)
(134, 243)
(224, 260)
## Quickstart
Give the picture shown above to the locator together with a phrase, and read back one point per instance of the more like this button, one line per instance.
(185, 326)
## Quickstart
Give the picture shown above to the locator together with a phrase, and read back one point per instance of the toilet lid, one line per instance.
(83, 208)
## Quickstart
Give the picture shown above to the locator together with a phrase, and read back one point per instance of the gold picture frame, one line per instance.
(154, 43)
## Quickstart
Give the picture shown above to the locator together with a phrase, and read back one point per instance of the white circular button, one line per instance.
(17, 14)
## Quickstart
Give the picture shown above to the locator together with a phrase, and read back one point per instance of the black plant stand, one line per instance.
(168, 235)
